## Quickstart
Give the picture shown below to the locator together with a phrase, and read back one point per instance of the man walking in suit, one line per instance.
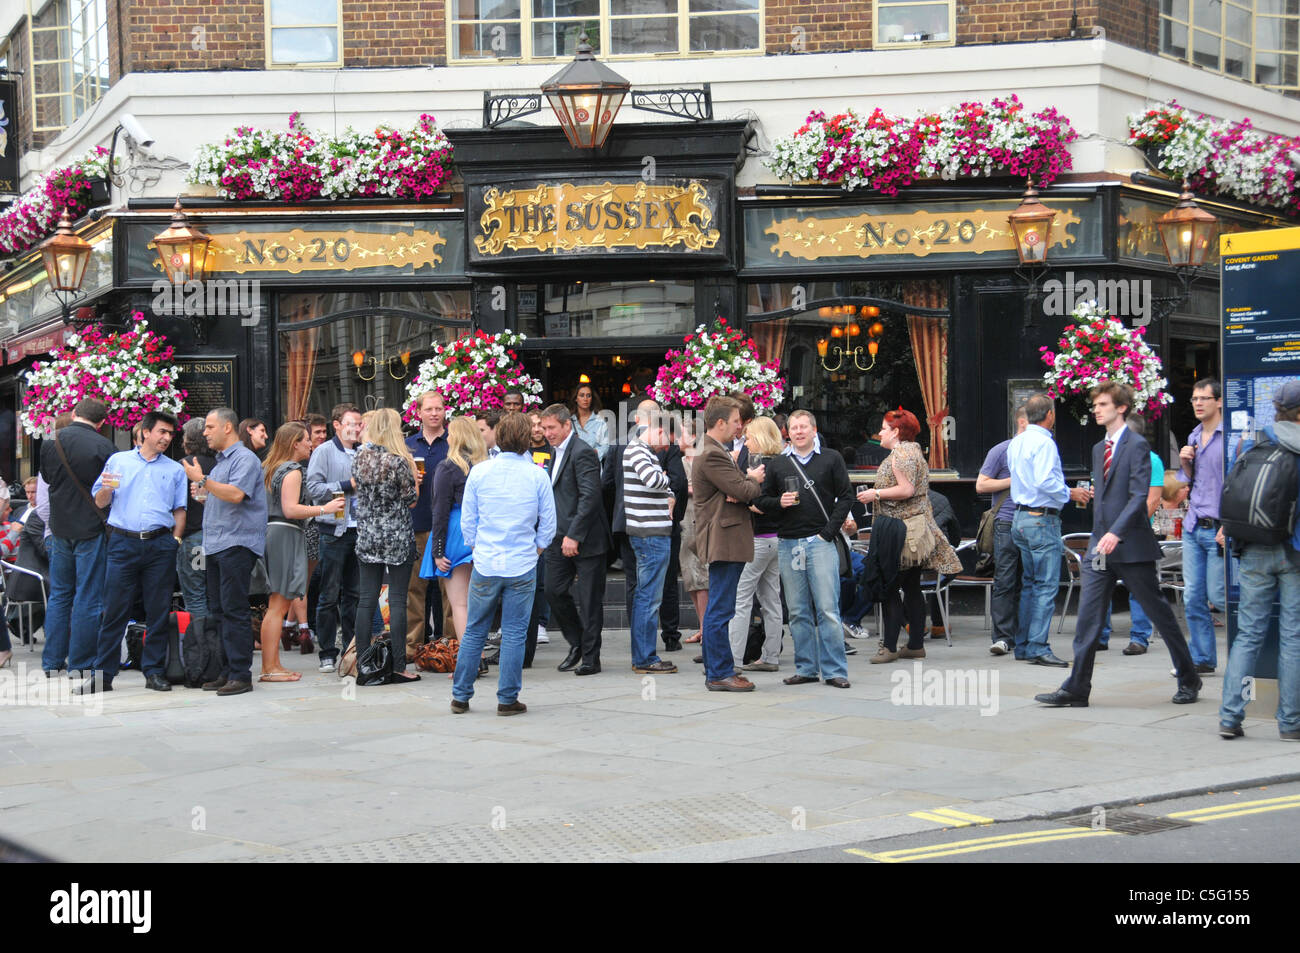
(1123, 548)
(575, 561)
(724, 537)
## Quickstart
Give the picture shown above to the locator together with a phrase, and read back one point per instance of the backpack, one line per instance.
(202, 651)
(1258, 504)
(177, 623)
(133, 645)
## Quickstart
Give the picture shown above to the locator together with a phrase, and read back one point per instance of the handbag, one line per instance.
(984, 536)
(375, 664)
(919, 544)
(348, 660)
(439, 656)
(839, 539)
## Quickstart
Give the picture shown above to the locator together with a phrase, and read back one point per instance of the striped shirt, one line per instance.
(646, 493)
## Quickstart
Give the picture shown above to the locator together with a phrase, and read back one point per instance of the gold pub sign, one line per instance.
(306, 250)
(568, 217)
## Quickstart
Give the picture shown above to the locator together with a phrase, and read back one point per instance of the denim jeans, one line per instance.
(1200, 556)
(189, 573)
(1038, 538)
(1005, 598)
(810, 577)
(715, 641)
(337, 605)
(146, 567)
(72, 613)
(514, 594)
(1265, 572)
(369, 584)
(760, 579)
(1139, 629)
(652, 555)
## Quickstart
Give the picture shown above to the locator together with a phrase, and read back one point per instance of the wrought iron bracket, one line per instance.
(684, 103)
(501, 108)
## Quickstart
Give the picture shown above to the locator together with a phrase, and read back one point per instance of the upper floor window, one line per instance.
(904, 22)
(69, 56)
(546, 29)
(1254, 40)
(303, 33)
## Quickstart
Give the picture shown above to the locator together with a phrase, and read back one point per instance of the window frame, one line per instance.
(604, 24)
(1219, 31)
(877, 43)
(75, 98)
(313, 64)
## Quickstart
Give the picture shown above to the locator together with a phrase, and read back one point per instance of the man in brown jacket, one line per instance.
(724, 536)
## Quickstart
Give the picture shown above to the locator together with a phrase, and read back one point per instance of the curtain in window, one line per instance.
(930, 351)
(302, 348)
(770, 336)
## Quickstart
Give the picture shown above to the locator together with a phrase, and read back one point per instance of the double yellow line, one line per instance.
(1241, 809)
(950, 817)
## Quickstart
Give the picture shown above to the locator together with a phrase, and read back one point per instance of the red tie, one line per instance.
(1105, 461)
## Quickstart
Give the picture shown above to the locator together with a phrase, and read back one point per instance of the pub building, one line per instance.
(869, 303)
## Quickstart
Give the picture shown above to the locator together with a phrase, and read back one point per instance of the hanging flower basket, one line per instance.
(473, 373)
(885, 153)
(128, 370)
(1099, 348)
(77, 186)
(715, 361)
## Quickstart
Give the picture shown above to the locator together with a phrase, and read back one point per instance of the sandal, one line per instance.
(405, 677)
(697, 637)
(280, 677)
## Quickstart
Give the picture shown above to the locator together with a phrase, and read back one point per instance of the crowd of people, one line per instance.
(511, 519)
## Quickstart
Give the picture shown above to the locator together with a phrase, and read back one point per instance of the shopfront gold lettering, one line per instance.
(297, 250)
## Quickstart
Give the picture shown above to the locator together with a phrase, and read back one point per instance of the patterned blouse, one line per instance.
(907, 459)
(385, 490)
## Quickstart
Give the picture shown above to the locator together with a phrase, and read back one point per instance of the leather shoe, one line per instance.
(92, 684)
(1204, 668)
(672, 645)
(1135, 648)
(838, 682)
(1050, 660)
(233, 687)
(1061, 699)
(570, 661)
(494, 658)
(214, 685)
(593, 669)
(1186, 695)
(1103, 646)
(1228, 732)
(800, 680)
(737, 683)
(514, 708)
(157, 683)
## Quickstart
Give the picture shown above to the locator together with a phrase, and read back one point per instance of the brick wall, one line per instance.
(20, 125)
(1021, 21)
(194, 35)
(1131, 23)
(388, 33)
(817, 26)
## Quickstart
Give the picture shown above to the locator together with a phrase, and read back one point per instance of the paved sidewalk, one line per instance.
(614, 767)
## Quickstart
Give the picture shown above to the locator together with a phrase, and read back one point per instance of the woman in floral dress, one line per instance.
(383, 472)
(901, 491)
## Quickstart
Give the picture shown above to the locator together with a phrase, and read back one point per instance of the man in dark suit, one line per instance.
(1123, 548)
(575, 561)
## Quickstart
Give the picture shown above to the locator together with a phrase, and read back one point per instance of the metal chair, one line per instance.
(978, 582)
(1075, 545)
(7, 571)
(1170, 567)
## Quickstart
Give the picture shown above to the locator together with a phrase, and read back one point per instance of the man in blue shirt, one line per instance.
(329, 471)
(1038, 492)
(1265, 570)
(148, 494)
(995, 478)
(234, 535)
(430, 444)
(508, 519)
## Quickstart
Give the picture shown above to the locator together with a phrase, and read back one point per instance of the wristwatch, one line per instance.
(202, 483)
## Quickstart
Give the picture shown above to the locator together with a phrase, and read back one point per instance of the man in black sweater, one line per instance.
(808, 489)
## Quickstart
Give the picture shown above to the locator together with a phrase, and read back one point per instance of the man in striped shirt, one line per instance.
(648, 511)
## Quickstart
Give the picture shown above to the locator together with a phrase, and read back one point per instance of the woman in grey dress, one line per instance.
(286, 547)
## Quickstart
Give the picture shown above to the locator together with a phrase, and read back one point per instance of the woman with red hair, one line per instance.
(901, 491)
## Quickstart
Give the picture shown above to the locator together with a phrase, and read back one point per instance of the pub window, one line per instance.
(319, 366)
(550, 29)
(607, 309)
(1254, 40)
(908, 22)
(69, 54)
(911, 364)
(303, 33)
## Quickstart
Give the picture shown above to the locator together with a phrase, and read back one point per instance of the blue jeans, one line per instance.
(1200, 554)
(652, 554)
(1139, 629)
(1265, 572)
(1038, 538)
(147, 568)
(715, 641)
(810, 578)
(189, 573)
(515, 596)
(72, 613)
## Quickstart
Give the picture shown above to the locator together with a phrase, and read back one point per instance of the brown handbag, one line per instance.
(919, 544)
(348, 661)
(439, 656)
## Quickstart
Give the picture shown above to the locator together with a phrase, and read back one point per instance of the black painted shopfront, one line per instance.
(607, 260)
